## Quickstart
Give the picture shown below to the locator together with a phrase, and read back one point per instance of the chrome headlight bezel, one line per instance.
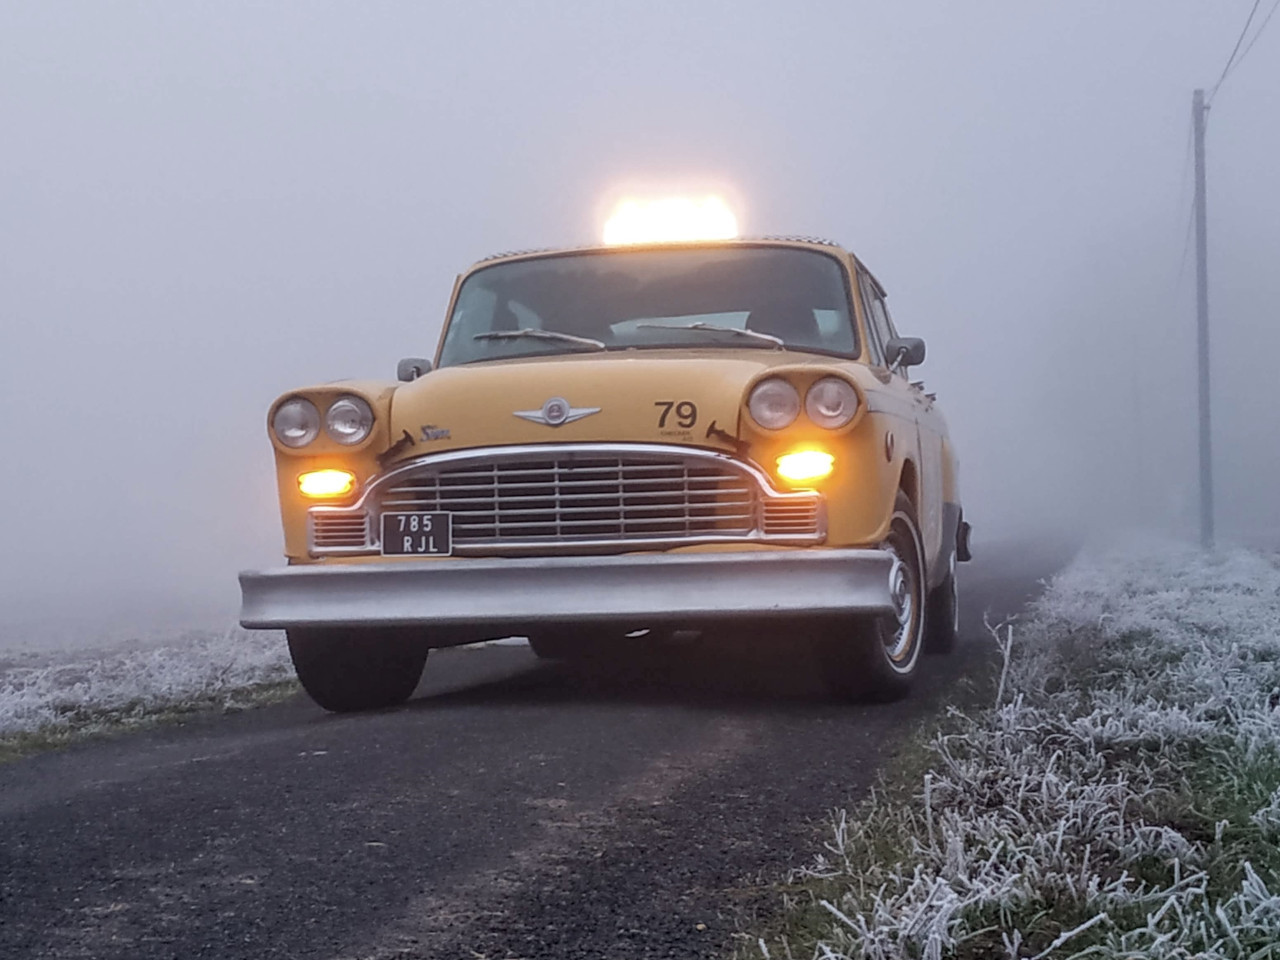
(349, 420)
(774, 403)
(832, 403)
(296, 422)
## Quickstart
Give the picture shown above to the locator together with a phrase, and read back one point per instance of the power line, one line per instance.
(1236, 49)
(1274, 7)
(1237, 57)
(1232, 63)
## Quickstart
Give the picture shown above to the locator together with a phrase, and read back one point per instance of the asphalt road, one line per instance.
(512, 809)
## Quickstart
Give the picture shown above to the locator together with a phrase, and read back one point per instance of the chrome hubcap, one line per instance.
(902, 594)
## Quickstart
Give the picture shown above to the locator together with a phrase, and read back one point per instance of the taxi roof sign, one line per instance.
(670, 220)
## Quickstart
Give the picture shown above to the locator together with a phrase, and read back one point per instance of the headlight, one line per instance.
(296, 422)
(349, 420)
(831, 403)
(774, 404)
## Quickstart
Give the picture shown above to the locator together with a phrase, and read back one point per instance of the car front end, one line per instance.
(628, 440)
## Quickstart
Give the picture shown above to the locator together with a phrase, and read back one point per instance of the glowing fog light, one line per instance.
(326, 483)
(805, 466)
(672, 220)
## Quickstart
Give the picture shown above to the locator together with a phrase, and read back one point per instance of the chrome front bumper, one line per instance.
(511, 594)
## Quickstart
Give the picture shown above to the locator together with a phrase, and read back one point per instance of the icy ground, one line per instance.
(1121, 797)
(60, 679)
(113, 683)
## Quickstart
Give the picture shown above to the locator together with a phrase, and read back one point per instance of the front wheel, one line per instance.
(876, 657)
(345, 670)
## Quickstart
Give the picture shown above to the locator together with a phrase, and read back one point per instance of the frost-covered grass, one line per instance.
(1122, 798)
(52, 699)
(49, 700)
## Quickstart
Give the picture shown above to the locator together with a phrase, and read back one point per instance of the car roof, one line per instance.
(772, 241)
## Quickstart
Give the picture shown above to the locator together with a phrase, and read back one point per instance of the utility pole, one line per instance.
(1198, 113)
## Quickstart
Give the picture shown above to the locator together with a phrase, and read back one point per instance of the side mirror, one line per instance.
(904, 352)
(411, 368)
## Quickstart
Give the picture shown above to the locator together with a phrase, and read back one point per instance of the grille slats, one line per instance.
(695, 510)
(566, 499)
(639, 484)
(512, 526)
(339, 530)
(713, 496)
(784, 517)
(524, 501)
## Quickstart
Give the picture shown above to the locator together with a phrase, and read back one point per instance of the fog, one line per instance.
(205, 205)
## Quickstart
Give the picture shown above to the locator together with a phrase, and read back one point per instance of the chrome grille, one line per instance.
(588, 497)
(565, 499)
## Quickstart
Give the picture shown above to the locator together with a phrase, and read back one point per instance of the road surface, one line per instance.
(513, 808)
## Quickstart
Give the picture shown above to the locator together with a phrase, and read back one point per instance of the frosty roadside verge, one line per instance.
(1123, 798)
(53, 700)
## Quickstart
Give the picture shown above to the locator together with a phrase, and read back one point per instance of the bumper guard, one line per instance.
(686, 588)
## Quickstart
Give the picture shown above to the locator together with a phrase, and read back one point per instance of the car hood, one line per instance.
(642, 397)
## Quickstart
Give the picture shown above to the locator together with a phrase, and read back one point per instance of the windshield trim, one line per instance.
(674, 348)
(842, 258)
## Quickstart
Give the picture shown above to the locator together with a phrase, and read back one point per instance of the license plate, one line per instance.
(417, 534)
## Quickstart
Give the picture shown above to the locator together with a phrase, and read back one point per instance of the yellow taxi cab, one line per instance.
(661, 436)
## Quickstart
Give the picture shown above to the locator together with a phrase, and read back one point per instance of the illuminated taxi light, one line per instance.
(671, 220)
(326, 483)
(805, 466)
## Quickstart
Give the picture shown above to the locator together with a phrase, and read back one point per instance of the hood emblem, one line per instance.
(556, 412)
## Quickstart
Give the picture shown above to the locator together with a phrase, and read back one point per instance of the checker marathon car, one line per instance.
(660, 437)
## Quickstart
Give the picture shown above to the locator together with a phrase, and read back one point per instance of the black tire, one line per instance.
(875, 658)
(941, 616)
(347, 670)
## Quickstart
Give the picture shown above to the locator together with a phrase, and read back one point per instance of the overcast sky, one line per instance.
(204, 205)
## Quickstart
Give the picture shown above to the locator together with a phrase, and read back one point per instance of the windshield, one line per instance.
(749, 298)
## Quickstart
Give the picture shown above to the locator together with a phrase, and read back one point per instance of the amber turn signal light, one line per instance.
(805, 466)
(319, 484)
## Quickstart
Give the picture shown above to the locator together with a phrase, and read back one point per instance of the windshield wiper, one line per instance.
(777, 342)
(534, 333)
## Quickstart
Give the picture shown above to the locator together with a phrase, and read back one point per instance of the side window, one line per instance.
(890, 329)
(877, 340)
(880, 322)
